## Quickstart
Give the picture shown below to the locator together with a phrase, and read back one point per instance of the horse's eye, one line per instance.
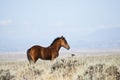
(65, 41)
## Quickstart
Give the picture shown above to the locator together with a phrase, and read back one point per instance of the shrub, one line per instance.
(5, 75)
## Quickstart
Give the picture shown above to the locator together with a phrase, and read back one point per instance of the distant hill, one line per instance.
(103, 38)
(107, 34)
(100, 39)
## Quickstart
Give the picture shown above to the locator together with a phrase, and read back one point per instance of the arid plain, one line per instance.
(84, 65)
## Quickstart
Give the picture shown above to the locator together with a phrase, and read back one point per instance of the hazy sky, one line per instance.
(29, 22)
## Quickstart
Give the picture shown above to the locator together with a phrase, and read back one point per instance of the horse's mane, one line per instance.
(55, 40)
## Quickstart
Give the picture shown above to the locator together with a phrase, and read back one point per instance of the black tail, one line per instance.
(28, 55)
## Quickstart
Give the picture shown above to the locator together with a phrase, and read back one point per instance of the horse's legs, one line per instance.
(34, 59)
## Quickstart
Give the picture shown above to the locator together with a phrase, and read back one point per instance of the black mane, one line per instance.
(55, 41)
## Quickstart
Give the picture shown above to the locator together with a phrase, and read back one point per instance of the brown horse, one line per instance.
(47, 53)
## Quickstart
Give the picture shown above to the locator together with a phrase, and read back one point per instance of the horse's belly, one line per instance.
(47, 58)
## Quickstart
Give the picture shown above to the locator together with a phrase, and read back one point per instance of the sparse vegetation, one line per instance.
(69, 68)
(5, 75)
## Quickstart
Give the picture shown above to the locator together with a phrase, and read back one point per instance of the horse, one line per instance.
(47, 53)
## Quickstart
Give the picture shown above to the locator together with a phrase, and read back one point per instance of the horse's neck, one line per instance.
(56, 46)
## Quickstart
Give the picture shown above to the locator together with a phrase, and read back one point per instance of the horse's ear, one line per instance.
(62, 36)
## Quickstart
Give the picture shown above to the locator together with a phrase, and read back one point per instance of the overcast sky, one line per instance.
(29, 22)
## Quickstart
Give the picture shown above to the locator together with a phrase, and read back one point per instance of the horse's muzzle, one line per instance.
(68, 48)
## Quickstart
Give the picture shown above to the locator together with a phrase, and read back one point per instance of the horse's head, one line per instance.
(64, 43)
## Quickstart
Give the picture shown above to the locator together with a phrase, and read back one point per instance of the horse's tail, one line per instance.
(28, 55)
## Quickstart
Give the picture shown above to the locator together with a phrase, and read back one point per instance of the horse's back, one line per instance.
(36, 47)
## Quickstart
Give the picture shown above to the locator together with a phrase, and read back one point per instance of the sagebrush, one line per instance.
(67, 68)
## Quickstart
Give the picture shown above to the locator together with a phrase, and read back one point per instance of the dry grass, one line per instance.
(69, 68)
